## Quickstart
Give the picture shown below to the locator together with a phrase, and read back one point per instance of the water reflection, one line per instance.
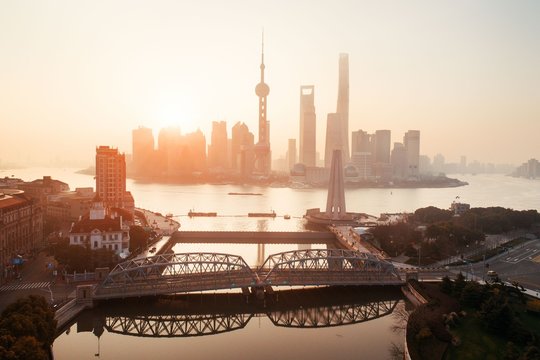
(210, 314)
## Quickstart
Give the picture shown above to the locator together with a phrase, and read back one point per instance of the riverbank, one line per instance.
(162, 225)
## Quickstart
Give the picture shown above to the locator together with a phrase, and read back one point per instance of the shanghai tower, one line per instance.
(343, 104)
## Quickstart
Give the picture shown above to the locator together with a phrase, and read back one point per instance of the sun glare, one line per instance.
(174, 112)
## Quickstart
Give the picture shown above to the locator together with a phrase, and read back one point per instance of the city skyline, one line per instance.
(440, 68)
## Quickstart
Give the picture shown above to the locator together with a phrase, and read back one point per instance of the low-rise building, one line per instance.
(41, 188)
(69, 206)
(459, 208)
(21, 229)
(98, 230)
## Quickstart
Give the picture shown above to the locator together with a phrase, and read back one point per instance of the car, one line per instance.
(153, 250)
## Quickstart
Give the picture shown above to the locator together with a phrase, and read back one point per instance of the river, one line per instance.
(259, 337)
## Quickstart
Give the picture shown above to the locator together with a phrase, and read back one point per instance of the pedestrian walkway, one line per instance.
(25, 286)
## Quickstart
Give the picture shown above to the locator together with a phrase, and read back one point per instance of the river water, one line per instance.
(260, 337)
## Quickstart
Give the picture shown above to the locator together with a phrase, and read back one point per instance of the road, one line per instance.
(520, 264)
(36, 279)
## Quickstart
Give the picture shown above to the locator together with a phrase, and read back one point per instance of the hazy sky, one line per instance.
(76, 74)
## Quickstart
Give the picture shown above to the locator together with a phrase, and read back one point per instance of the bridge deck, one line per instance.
(254, 237)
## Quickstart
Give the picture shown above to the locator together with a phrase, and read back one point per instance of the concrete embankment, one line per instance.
(68, 312)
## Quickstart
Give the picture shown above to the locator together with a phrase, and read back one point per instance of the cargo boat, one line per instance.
(270, 214)
(196, 213)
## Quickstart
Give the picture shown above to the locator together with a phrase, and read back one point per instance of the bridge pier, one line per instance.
(85, 295)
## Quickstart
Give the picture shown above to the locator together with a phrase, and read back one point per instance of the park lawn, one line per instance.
(476, 343)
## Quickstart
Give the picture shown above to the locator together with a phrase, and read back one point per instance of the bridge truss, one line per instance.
(210, 324)
(327, 267)
(334, 315)
(191, 272)
(176, 325)
(172, 273)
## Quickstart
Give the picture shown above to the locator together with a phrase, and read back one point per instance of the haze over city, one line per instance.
(79, 74)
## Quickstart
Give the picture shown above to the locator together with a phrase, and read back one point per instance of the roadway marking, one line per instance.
(525, 254)
(25, 286)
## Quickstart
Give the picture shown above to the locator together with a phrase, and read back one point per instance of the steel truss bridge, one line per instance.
(193, 272)
(210, 324)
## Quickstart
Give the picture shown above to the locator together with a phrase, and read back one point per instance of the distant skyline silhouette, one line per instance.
(75, 75)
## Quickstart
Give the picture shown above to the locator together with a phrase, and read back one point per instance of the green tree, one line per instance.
(29, 316)
(28, 348)
(472, 295)
(138, 237)
(532, 353)
(446, 285)
(459, 284)
(497, 315)
(511, 352)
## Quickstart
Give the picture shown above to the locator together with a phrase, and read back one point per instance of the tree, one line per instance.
(472, 295)
(27, 328)
(532, 353)
(432, 215)
(446, 285)
(138, 237)
(28, 348)
(30, 316)
(497, 315)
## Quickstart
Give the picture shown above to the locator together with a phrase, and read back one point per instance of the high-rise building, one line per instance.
(463, 164)
(362, 160)
(308, 131)
(360, 142)
(399, 161)
(191, 154)
(382, 146)
(411, 141)
(291, 153)
(263, 161)
(143, 150)
(111, 178)
(438, 164)
(242, 140)
(217, 150)
(343, 104)
(333, 138)
(169, 140)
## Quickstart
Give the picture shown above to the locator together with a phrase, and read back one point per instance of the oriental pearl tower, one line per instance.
(262, 148)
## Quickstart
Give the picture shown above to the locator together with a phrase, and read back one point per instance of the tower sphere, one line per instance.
(262, 90)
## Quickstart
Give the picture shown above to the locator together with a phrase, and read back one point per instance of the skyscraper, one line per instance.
(217, 150)
(360, 142)
(263, 161)
(399, 161)
(291, 153)
(308, 132)
(143, 150)
(382, 146)
(343, 104)
(241, 141)
(411, 141)
(111, 178)
(169, 139)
